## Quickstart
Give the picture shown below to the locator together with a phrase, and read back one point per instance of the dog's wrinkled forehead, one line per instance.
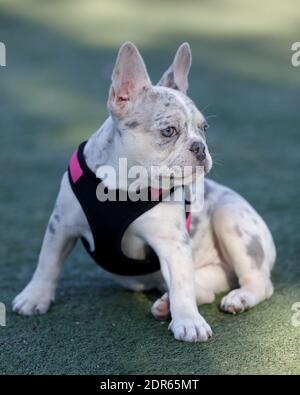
(169, 107)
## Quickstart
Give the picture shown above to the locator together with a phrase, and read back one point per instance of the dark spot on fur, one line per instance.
(255, 251)
(167, 104)
(194, 225)
(51, 228)
(169, 81)
(170, 76)
(238, 231)
(57, 217)
(110, 139)
(132, 124)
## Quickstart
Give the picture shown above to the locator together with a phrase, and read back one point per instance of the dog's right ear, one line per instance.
(129, 77)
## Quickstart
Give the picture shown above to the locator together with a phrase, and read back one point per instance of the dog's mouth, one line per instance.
(207, 167)
(203, 168)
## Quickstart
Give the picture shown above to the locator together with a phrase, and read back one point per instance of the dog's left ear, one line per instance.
(176, 76)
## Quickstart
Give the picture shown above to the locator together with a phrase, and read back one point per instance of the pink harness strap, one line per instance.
(188, 222)
(75, 169)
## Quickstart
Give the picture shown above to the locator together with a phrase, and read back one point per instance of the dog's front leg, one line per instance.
(40, 291)
(177, 268)
(58, 241)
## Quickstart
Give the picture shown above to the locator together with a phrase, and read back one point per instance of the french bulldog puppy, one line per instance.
(228, 246)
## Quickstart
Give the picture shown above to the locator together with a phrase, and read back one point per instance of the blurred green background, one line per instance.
(53, 92)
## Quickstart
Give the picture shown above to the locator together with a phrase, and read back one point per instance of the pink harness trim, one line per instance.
(75, 169)
(188, 222)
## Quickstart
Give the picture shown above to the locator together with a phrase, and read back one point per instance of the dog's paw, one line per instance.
(161, 309)
(34, 299)
(237, 301)
(191, 329)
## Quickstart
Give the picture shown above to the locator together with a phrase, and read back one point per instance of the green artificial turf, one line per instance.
(53, 95)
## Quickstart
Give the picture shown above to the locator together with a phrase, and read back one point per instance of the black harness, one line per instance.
(109, 220)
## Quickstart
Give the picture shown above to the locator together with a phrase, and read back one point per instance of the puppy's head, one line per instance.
(157, 125)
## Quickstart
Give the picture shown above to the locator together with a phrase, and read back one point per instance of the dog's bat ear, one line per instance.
(176, 76)
(129, 77)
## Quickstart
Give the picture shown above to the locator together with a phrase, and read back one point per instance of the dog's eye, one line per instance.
(205, 126)
(170, 131)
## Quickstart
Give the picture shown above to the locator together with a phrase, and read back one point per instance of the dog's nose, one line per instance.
(198, 149)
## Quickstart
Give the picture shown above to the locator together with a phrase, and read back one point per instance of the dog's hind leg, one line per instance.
(161, 307)
(209, 281)
(212, 279)
(245, 244)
